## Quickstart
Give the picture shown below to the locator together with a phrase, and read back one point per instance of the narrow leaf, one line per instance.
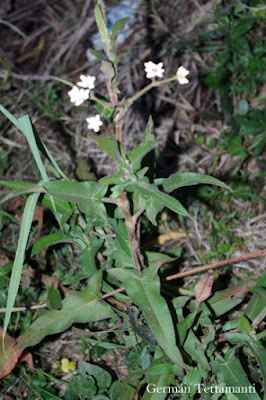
(26, 128)
(225, 300)
(50, 240)
(149, 135)
(176, 181)
(100, 54)
(110, 147)
(19, 257)
(86, 194)
(118, 26)
(54, 298)
(87, 256)
(100, 21)
(144, 291)
(149, 190)
(136, 155)
(192, 347)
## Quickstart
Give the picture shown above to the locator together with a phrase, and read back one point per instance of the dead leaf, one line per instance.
(9, 359)
(164, 237)
(204, 286)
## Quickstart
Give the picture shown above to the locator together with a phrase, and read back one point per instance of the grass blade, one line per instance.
(19, 257)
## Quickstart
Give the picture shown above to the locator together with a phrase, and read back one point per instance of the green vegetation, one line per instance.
(97, 266)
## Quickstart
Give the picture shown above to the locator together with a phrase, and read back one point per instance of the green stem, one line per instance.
(149, 87)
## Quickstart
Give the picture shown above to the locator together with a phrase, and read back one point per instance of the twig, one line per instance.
(13, 27)
(252, 8)
(168, 278)
(36, 307)
(215, 265)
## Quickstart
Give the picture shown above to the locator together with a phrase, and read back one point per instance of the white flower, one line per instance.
(78, 96)
(181, 75)
(152, 70)
(86, 81)
(94, 123)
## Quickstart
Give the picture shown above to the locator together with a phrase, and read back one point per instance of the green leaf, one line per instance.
(183, 327)
(110, 147)
(47, 395)
(18, 185)
(100, 54)
(27, 129)
(61, 206)
(149, 160)
(149, 135)
(159, 369)
(231, 372)
(258, 300)
(192, 347)
(83, 386)
(102, 377)
(182, 179)
(243, 106)
(240, 27)
(225, 300)
(102, 108)
(81, 307)
(118, 26)
(136, 155)
(193, 379)
(153, 207)
(54, 298)
(100, 21)
(115, 179)
(121, 391)
(150, 190)
(122, 235)
(86, 194)
(19, 257)
(260, 354)
(158, 258)
(154, 382)
(87, 256)
(50, 240)
(25, 188)
(144, 291)
(82, 171)
(10, 117)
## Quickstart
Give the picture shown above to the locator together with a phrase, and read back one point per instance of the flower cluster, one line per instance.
(156, 70)
(81, 92)
(77, 95)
